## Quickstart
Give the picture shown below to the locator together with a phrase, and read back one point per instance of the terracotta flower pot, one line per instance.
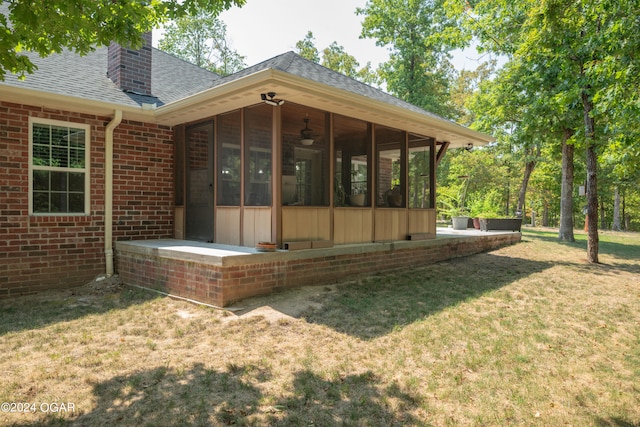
(266, 246)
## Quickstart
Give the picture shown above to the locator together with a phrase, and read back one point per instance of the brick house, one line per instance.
(123, 145)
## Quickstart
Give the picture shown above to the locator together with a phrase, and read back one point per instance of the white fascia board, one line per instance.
(298, 89)
(319, 95)
(382, 108)
(216, 93)
(73, 103)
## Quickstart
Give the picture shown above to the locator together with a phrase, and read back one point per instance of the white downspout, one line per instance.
(108, 191)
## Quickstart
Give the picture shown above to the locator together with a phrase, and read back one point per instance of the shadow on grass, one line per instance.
(612, 269)
(348, 400)
(201, 396)
(36, 311)
(606, 245)
(380, 304)
(615, 422)
(620, 252)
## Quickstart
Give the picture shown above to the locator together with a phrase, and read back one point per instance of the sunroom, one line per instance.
(302, 177)
(336, 175)
(298, 155)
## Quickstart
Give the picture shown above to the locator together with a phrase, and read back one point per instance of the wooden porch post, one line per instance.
(276, 181)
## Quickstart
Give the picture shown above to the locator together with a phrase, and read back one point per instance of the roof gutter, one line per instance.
(108, 191)
(74, 103)
(388, 110)
(224, 90)
(328, 93)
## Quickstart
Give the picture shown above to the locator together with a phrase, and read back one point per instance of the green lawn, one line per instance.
(530, 334)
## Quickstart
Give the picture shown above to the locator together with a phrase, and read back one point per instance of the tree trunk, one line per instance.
(506, 206)
(592, 179)
(603, 215)
(616, 211)
(625, 218)
(528, 170)
(566, 196)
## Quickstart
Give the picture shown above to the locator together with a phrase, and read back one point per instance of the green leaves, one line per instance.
(336, 58)
(307, 49)
(419, 35)
(201, 39)
(82, 25)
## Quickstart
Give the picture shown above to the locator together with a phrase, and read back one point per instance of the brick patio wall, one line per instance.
(221, 282)
(39, 252)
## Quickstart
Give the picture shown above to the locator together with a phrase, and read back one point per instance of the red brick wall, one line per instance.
(44, 252)
(142, 181)
(131, 69)
(220, 285)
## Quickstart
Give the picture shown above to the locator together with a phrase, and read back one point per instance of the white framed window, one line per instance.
(59, 156)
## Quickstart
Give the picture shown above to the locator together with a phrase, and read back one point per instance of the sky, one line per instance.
(262, 29)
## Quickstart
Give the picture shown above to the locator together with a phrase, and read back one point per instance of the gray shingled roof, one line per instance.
(296, 65)
(174, 79)
(67, 73)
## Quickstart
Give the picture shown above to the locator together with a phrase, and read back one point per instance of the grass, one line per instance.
(526, 335)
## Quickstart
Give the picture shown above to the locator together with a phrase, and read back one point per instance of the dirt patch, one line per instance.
(97, 287)
(281, 305)
(100, 285)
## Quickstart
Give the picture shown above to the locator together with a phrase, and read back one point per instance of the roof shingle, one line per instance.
(86, 77)
(294, 64)
(174, 79)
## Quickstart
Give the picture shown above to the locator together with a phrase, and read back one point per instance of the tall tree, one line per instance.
(621, 158)
(565, 233)
(336, 58)
(581, 35)
(419, 35)
(523, 96)
(465, 87)
(506, 106)
(47, 27)
(586, 46)
(201, 39)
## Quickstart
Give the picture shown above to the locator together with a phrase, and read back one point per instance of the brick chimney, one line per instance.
(130, 69)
